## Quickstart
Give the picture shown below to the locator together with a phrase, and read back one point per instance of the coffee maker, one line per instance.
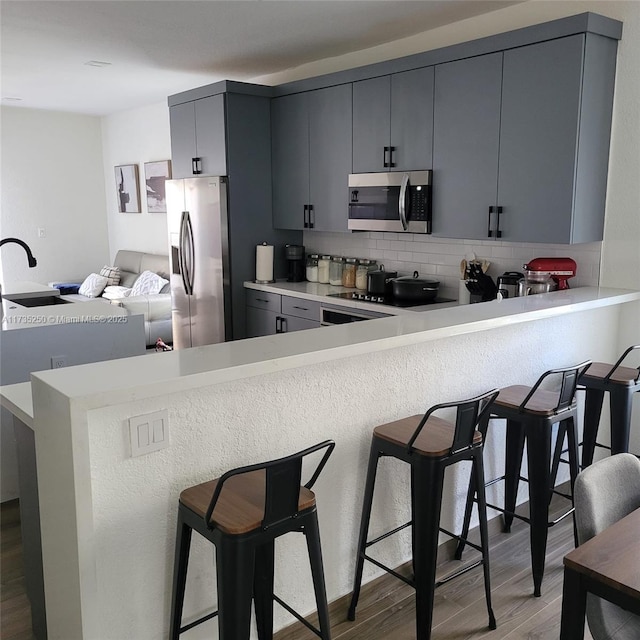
(294, 253)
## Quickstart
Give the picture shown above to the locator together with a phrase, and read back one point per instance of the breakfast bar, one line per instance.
(105, 513)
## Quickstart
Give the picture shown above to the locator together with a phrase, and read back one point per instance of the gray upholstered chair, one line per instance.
(604, 493)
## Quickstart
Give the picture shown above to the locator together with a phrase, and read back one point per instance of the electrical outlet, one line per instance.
(57, 362)
(149, 432)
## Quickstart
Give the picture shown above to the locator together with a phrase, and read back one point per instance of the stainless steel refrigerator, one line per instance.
(197, 220)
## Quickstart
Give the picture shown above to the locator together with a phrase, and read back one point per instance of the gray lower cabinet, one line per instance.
(198, 139)
(311, 159)
(521, 142)
(270, 313)
(393, 122)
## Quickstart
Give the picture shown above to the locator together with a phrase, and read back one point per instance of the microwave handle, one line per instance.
(402, 204)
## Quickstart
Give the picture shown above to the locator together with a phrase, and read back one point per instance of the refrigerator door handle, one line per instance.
(189, 257)
(183, 266)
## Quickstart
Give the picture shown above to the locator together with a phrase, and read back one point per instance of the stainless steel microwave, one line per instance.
(392, 201)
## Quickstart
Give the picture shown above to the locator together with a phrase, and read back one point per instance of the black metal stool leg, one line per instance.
(364, 527)
(181, 560)
(539, 460)
(478, 473)
(235, 569)
(513, 463)
(557, 454)
(468, 509)
(312, 534)
(620, 402)
(592, 413)
(427, 484)
(574, 465)
(263, 590)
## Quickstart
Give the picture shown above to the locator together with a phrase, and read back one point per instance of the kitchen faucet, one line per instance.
(31, 260)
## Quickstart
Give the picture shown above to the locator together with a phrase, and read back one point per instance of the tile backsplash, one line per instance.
(440, 257)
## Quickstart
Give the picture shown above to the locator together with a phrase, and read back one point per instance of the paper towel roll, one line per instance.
(264, 262)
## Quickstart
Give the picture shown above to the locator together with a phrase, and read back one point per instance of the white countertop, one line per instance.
(17, 399)
(28, 290)
(107, 383)
(16, 316)
(321, 293)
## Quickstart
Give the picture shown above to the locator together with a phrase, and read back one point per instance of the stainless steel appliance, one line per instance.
(559, 269)
(392, 201)
(508, 284)
(199, 260)
(330, 315)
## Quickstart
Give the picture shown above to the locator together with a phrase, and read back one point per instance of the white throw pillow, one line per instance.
(148, 283)
(93, 285)
(112, 274)
(115, 293)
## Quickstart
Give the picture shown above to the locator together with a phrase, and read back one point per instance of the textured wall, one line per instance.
(217, 428)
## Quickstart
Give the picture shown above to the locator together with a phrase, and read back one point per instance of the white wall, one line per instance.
(52, 178)
(135, 137)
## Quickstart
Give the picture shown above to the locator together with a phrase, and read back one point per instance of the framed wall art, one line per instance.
(155, 175)
(128, 188)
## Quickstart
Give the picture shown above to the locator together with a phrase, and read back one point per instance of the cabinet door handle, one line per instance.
(391, 162)
(262, 300)
(301, 308)
(278, 324)
(385, 162)
(283, 325)
(306, 216)
(489, 230)
(312, 217)
(498, 214)
(196, 166)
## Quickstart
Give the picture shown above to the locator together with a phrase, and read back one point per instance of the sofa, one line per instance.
(156, 308)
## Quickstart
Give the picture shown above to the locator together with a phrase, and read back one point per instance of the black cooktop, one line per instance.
(386, 300)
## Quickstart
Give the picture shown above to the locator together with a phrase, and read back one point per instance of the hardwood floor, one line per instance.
(15, 612)
(386, 608)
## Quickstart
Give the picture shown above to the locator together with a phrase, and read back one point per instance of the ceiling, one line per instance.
(159, 47)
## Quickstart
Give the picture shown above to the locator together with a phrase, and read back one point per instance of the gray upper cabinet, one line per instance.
(521, 142)
(290, 161)
(544, 192)
(466, 145)
(311, 159)
(198, 138)
(393, 122)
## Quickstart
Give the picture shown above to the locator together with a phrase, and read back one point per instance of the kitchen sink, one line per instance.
(41, 301)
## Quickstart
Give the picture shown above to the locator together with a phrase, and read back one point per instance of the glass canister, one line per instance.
(323, 269)
(349, 272)
(312, 267)
(335, 270)
(364, 266)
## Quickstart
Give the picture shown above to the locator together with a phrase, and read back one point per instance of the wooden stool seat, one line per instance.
(435, 439)
(542, 402)
(240, 508)
(622, 375)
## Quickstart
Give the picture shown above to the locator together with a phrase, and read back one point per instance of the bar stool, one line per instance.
(621, 383)
(429, 452)
(531, 413)
(242, 513)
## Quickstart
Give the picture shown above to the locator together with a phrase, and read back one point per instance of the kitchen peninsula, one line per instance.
(108, 519)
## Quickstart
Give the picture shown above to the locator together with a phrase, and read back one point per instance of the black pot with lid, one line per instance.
(415, 288)
(379, 281)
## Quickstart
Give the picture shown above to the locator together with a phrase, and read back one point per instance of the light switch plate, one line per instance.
(149, 432)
